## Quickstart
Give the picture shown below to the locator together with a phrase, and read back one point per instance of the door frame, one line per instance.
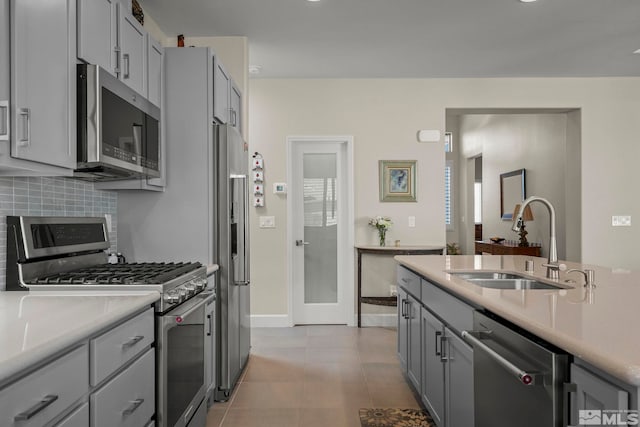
(348, 269)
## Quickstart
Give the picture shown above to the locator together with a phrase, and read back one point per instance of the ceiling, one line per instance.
(419, 38)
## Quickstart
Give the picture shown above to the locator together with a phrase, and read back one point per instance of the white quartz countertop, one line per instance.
(36, 325)
(598, 326)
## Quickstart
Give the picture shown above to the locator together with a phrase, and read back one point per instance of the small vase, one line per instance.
(382, 234)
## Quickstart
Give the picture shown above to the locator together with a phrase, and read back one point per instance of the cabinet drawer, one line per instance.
(409, 280)
(78, 418)
(41, 396)
(128, 400)
(449, 308)
(114, 348)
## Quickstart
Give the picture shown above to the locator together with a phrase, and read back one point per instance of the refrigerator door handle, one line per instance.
(241, 218)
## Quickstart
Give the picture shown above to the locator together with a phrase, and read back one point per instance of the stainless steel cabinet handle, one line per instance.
(405, 280)
(117, 69)
(402, 311)
(125, 60)
(209, 323)
(443, 354)
(135, 404)
(301, 243)
(25, 115)
(4, 120)
(132, 341)
(438, 334)
(526, 378)
(35, 409)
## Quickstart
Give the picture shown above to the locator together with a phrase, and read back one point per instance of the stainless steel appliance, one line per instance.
(518, 378)
(66, 253)
(208, 187)
(118, 129)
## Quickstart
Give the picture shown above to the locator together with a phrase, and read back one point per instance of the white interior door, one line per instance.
(320, 252)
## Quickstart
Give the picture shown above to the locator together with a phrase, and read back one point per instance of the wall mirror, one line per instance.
(512, 192)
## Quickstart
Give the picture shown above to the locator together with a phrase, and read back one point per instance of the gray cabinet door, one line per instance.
(97, 33)
(432, 368)
(459, 381)
(5, 83)
(235, 106)
(43, 90)
(133, 49)
(221, 86)
(414, 363)
(403, 329)
(595, 393)
(209, 346)
(154, 72)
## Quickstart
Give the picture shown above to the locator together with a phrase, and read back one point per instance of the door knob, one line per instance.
(301, 243)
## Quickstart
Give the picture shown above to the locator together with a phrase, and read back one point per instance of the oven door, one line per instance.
(181, 361)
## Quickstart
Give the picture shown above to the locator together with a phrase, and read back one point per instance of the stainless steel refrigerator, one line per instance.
(203, 213)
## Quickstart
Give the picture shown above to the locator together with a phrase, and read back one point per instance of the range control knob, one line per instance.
(170, 298)
(182, 295)
(190, 289)
(199, 284)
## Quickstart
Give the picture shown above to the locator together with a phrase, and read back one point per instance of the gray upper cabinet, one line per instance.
(97, 33)
(235, 106)
(133, 50)
(5, 82)
(43, 86)
(154, 71)
(221, 92)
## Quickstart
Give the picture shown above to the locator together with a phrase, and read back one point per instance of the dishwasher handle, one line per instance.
(526, 378)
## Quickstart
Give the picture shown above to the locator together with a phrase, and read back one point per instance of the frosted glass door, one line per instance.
(320, 228)
(318, 201)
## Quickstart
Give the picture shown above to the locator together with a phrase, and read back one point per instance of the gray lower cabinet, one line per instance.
(414, 362)
(78, 418)
(458, 381)
(592, 392)
(127, 400)
(210, 350)
(45, 394)
(432, 366)
(438, 363)
(403, 329)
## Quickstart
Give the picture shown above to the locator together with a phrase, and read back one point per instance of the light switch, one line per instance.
(267, 222)
(621, 221)
(412, 221)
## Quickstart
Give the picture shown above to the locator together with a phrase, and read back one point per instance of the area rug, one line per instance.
(393, 417)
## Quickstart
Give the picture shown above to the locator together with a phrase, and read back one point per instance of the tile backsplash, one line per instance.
(44, 196)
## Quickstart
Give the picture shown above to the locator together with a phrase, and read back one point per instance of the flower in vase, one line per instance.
(382, 224)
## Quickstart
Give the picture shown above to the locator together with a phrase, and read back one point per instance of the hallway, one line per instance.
(315, 376)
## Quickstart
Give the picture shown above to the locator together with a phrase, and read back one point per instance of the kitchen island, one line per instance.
(478, 336)
(598, 328)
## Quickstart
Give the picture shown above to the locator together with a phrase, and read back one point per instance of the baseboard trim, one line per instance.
(270, 321)
(389, 320)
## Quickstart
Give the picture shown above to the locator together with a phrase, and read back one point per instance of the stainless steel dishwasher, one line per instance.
(518, 378)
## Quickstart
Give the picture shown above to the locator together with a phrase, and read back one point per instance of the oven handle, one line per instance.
(201, 299)
(526, 378)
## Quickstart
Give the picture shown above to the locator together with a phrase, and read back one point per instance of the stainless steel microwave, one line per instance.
(118, 129)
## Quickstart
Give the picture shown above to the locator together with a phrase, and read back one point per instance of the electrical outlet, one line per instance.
(393, 291)
(621, 221)
(412, 221)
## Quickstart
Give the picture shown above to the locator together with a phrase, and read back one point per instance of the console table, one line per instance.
(505, 248)
(387, 250)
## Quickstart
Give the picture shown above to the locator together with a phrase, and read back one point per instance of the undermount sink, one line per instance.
(498, 280)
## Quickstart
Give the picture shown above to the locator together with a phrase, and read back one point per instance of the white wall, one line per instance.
(383, 115)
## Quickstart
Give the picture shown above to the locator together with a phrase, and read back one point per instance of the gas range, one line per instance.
(66, 253)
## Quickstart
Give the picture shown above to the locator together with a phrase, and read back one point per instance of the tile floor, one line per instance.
(315, 376)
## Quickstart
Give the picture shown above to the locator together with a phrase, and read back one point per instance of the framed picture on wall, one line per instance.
(397, 180)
